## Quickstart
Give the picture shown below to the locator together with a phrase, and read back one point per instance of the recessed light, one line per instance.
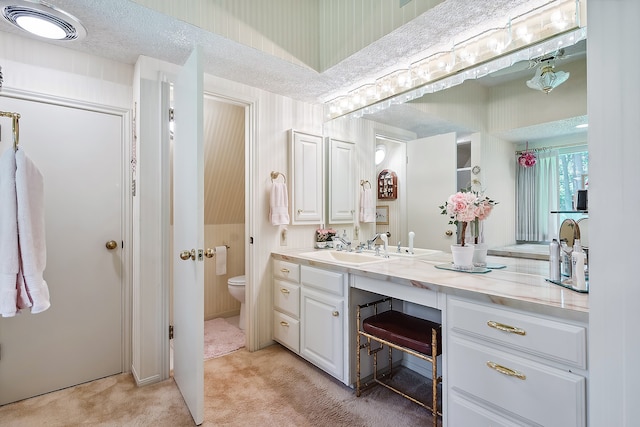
(42, 20)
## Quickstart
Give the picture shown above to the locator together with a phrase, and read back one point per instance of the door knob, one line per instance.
(209, 253)
(449, 233)
(185, 255)
(111, 244)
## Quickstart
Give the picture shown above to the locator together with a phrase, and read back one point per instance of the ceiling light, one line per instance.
(498, 46)
(546, 79)
(42, 20)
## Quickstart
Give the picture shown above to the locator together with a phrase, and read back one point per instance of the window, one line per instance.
(573, 170)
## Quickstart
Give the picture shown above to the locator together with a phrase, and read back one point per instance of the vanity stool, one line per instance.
(418, 337)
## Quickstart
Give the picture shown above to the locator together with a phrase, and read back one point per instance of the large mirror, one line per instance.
(471, 134)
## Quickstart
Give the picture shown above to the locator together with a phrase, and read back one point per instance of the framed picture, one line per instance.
(382, 215)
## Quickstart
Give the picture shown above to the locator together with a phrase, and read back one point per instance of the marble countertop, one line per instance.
(521, 284)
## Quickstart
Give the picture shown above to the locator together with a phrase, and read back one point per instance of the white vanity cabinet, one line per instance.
(323, 320)
(307, 178)
(341, 182)
(286, 304)
(508, 367)
(310, 315)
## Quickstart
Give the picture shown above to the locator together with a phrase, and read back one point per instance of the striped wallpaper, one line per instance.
(313, 33)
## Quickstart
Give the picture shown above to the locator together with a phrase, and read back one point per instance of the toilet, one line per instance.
(236, 289)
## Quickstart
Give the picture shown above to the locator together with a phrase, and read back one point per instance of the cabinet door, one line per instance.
(341, 182)
(322, 328)
(307, 195)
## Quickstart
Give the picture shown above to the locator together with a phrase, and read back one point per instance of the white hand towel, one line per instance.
(367, 209)
(33, 248)
(9, 251)
(221, 260)
(279, 204)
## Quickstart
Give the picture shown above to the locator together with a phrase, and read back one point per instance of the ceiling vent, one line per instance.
(42, 20)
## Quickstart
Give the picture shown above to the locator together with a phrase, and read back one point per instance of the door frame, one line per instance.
(250, 105)
(126, 199)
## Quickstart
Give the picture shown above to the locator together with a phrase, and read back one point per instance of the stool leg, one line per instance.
(358, 353)
(434, 376)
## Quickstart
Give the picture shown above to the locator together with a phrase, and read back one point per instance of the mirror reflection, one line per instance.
(474, 134)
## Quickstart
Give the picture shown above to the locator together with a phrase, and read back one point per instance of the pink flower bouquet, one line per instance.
(465, 207)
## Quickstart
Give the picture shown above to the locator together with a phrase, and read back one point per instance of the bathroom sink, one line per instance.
(342, 257)
(404, 252)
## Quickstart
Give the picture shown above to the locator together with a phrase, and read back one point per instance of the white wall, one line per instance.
(614, 109)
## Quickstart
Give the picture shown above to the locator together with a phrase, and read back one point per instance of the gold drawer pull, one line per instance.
(283, 323)
(285, 270)
(506, 371)
(284, 290)
(506, 328)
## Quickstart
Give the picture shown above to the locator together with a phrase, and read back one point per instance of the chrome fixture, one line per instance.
(343, 243)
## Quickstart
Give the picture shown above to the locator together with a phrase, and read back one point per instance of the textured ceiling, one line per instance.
(122, 30)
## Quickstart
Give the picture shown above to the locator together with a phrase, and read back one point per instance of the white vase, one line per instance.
(480, 255)
(462, 256)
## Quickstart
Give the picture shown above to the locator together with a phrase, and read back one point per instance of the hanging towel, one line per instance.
(33, 251)
(221, 260)
(9, 252)
(367, 209)
(279, 213)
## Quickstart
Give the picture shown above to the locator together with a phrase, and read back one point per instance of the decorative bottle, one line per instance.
(577, 264)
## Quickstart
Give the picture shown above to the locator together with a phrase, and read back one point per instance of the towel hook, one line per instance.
(364, 182)
(275, 175)
(15, 126)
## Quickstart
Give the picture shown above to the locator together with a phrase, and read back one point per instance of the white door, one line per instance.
(431, 179)
(79, 338)
(188, 235)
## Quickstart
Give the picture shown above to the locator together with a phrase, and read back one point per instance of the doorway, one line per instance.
(224, 221)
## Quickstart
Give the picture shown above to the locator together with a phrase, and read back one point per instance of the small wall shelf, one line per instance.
(387, 185)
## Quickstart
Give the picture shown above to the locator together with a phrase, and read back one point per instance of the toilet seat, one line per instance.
(237, 281)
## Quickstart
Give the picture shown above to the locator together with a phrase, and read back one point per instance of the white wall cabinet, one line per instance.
(341, 182)
(501, 361)
(306, 156)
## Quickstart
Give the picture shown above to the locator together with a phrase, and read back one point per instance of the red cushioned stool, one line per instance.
(409, 334)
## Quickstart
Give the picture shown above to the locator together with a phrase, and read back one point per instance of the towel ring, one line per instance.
(275, 175)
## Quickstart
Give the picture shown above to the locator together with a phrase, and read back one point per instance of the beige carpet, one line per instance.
(270, 387)
(220, 338)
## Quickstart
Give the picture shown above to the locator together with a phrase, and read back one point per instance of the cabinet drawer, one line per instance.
(286, 330)
(544, 395)
(286, 270)
(286, 297)
(324, 280)
(562, 342)
(462, 412)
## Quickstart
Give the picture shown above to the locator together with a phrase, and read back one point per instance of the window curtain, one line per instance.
(536, 196)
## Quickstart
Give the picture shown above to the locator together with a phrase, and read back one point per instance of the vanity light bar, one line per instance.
(472, 58)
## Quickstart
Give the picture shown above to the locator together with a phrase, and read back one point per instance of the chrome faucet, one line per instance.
(345, 243)
(374, 238)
